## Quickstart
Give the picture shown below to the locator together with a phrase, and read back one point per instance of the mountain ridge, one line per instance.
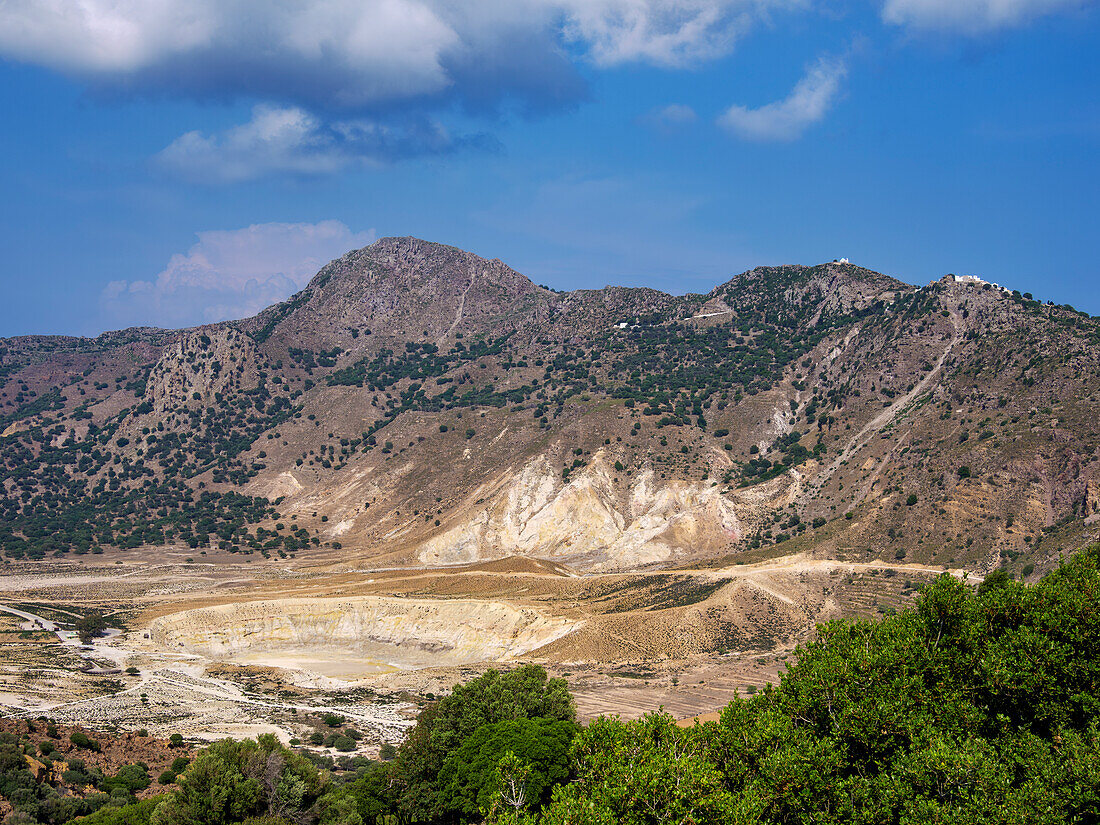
(790, 409)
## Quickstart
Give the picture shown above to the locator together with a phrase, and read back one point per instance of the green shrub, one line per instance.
(441, 728)
(344, 744)
(81, 740)
(469, 778)
(231, 781)
(134, 813)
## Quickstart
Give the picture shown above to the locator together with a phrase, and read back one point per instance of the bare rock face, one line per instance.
(1092, 500)
(201, 366)
(401, 632)
(589, 524)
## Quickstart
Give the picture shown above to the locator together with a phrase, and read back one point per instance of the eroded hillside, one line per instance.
(418, 405)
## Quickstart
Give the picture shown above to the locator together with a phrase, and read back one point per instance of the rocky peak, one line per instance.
(835, 288)
(405, 289)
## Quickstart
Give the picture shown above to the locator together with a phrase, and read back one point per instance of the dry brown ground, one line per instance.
(685, 640)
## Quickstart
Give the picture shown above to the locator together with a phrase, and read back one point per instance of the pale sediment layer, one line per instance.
(403, 633)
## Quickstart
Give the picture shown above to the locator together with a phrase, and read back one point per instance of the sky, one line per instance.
(177, 162)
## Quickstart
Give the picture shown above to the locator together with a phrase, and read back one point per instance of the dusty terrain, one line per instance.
(224, 648)
(423, 465)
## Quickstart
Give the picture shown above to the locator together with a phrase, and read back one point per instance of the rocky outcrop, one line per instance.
(1092, 501)
(400, 632)
(201, 366)
(586, 523)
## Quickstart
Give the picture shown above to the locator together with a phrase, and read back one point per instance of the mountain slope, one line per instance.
(421, 405)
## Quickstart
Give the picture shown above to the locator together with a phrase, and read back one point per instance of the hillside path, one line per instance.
(458, 312)
(880, 421)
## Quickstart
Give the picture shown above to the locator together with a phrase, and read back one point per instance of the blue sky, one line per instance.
(180, 162)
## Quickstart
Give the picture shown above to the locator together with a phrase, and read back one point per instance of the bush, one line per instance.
(231, 781)
(130, 778)
(368, 798)
(81, 740)
(441, 728)
(470, 781)
(134, 813)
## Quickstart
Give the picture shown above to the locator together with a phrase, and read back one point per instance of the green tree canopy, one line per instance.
(977, 706)
(233, 781)
(523, 693)
(468, 778)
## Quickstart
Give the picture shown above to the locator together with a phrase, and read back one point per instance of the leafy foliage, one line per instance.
(975, 707)
(231, 781)
(442, 728)
(469, 781)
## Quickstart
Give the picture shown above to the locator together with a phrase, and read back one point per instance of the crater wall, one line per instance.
(405, 633)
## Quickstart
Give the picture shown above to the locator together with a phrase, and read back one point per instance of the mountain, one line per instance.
(418, 405)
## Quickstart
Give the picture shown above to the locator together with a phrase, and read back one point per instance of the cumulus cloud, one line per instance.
(787, 119)
(970, 16)
(357, 54)
(661, 32)
(292, 141)
(230, 274)
(348, 53)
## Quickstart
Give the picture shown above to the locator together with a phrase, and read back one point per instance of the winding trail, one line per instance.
(98, 649)
(458, 312)
(45, 624)
(887, 416)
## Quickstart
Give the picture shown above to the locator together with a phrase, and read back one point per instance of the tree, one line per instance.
(364, 799)
(646, 771)
(441, 728)
(511, 784)
(90, 627)
(532, 753)
(232, 781)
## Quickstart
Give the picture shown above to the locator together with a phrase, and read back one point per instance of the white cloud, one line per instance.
(662, 32)
(787, 119)
(970, 16)
(356, 54)
(290, 140)
(671, 116)
(230, 274)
